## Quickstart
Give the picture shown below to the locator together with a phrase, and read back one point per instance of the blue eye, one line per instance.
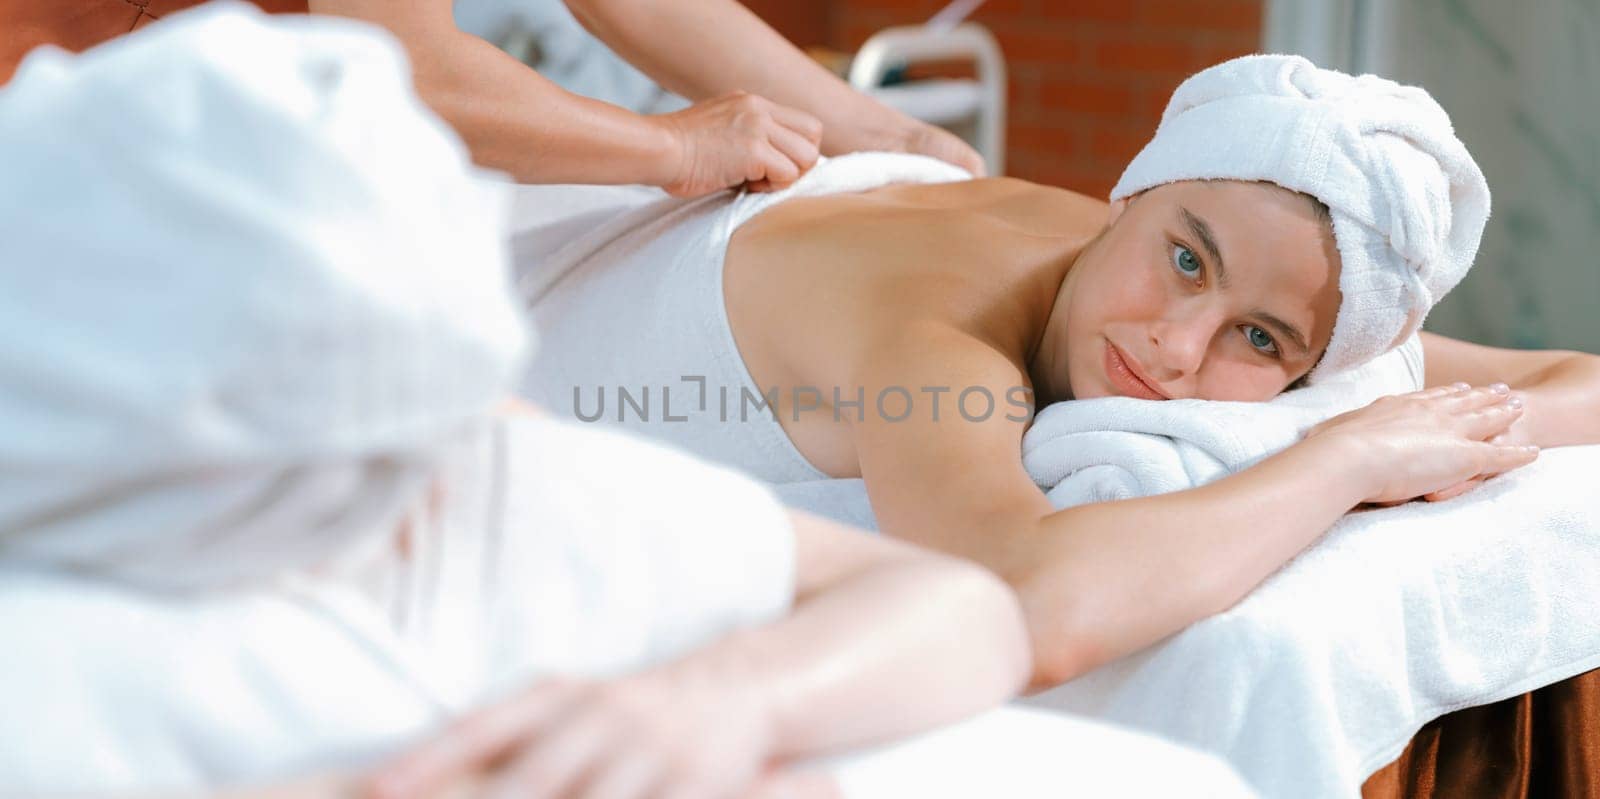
(1185, 261)
(1260, 339)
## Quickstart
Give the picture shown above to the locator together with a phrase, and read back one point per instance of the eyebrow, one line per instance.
(1202, 231)
(1287, 331)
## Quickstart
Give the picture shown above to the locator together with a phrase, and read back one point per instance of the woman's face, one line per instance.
(1221, 290)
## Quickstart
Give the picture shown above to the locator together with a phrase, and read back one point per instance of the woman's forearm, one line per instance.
(1563, 403)
(703, 48)
(894, 648)
(1113, 578)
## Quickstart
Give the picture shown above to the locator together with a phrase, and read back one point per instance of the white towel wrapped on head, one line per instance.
(1408, 202)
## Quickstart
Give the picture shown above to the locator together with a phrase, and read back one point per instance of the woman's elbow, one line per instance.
(1067, 639)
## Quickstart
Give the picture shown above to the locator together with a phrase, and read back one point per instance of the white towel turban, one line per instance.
(1408, 202)
(249, 286)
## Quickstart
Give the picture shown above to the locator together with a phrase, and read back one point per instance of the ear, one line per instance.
(1117, 207)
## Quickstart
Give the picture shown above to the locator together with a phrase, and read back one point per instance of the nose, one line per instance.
(1179, 344)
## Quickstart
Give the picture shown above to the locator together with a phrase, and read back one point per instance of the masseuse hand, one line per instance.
(737, 139)
(676, 732)
(1433, 444)
(923, 139)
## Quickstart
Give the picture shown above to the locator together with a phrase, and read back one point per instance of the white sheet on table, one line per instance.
(111, 691)
(1396, 617)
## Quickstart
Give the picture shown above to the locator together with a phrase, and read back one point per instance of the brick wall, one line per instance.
(1088, 77)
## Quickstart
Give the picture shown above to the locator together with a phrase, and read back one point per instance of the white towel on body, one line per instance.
(530, 561)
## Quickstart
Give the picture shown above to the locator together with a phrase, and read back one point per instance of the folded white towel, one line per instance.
(1111, 448)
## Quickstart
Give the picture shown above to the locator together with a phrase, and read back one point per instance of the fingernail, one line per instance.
(1460, 386)
(1531, 447)
(1515, 402)
(1500, 388)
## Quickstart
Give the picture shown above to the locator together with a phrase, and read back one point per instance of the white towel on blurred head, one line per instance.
(248, 284)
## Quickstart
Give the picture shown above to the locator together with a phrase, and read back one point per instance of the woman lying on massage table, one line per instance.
(866, 310)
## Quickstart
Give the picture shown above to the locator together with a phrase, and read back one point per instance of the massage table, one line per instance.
(1546, 739)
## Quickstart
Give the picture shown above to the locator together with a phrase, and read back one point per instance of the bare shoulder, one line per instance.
(1032, 205)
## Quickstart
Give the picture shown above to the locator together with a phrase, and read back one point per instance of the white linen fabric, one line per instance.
(249, 285)
(1408, 202)
(532, 560)
(1397, 616)
(635, 306)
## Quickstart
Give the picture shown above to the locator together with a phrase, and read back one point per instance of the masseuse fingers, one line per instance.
(799, 150)
(554, 762)
(626, 774)
(770, 169)
(473, 743)
(807, 126)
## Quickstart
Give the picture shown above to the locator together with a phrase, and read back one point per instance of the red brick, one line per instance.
(1144, 56)
(1039, 47)
(1113, 147)
(1087, 97)
(1095, 10)
(1090, 181)
(1044, 138)
(1211, 15)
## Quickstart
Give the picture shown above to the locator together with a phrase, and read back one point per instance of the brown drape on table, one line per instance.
(80, 24)
(1537, 745)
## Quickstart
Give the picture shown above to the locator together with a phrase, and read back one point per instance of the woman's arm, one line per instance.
(1101, 581)
(517, 121)
(885, 639)
(1561, 388)
(704, 48)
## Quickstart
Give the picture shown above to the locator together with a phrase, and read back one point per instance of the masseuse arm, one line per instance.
(517, 121)
(1104, 580)
(1561, 388)
(885, 639)
(704, 48)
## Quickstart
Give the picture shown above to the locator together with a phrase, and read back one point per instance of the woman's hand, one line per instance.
(738, 139)
(676, 732)
(1434, 444)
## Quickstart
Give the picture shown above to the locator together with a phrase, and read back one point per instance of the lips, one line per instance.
(1124, 379)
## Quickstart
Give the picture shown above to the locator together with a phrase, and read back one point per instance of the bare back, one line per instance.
(823, 292)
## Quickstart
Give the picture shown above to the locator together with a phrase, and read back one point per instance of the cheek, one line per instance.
(1132, 293)
(1238, 382)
